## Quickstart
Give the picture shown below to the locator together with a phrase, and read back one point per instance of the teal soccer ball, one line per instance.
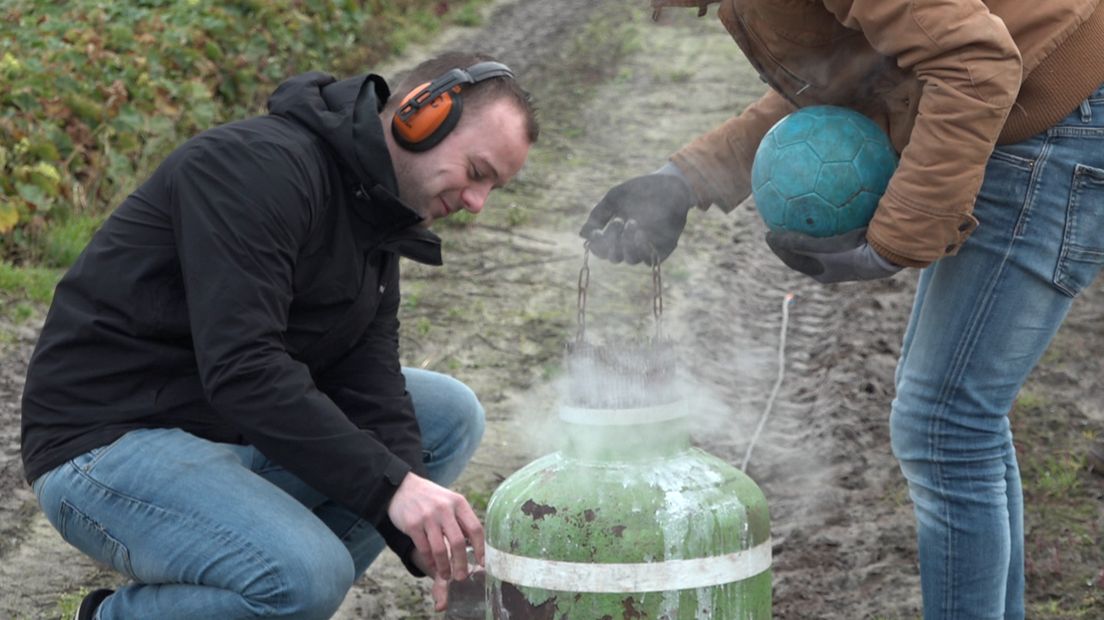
(821, 170)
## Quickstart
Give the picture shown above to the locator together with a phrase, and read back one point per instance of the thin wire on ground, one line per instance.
(778, 382)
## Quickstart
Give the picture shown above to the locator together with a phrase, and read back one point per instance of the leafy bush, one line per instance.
(94, 94)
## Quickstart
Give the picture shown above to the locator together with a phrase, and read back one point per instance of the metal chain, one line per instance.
(584, 282)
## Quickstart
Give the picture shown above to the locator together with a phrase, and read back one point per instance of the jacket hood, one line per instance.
(345, 114)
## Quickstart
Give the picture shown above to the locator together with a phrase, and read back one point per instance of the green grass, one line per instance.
(1028, 400)
(1056, 476)
(24, 291)
(68, 603)
(468, 16)
(63, 242)
(478, 498)
(33, 284)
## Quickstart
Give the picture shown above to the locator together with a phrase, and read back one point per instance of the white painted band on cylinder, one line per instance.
(641, 577)
(623, 417)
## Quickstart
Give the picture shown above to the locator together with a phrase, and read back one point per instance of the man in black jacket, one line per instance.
(216, 408)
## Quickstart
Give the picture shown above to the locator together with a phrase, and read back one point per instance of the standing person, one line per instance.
(997, 111)
(215, 407)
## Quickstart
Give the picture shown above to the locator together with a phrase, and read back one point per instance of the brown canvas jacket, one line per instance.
(946, 80)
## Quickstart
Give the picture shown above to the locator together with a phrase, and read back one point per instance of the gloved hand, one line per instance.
(640, 219)
(842, 258)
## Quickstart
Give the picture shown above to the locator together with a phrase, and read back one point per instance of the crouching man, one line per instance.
(216, 407)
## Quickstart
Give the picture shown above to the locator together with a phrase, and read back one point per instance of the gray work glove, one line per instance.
(641, 219)
(842, 258)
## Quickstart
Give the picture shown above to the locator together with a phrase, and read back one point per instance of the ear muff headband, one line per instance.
(432, 110)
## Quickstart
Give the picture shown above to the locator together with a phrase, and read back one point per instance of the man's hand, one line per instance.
(842, 258)
(640, 219)
(441, 523)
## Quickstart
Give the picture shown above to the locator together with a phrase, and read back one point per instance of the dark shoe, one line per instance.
(1095, 456)
(91, 603)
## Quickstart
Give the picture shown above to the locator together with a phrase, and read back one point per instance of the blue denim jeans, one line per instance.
(980, 323)
(211, 530)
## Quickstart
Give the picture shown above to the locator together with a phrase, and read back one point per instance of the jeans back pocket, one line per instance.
(1082, 253)
(93, 539)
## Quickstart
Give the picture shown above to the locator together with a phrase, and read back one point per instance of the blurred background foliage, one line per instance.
(93, 94)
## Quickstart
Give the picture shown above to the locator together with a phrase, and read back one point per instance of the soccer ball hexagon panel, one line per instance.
(821, 170)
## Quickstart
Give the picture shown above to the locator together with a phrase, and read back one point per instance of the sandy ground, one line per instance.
(500, 311)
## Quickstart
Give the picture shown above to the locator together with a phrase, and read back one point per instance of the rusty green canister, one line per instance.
(628, 521)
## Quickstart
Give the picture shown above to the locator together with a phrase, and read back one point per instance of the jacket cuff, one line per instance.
(718, 163)
(383, 490)
(930, 236)
(401, 544)
(706, 194)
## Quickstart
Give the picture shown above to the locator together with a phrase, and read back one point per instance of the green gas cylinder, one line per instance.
(627, 520)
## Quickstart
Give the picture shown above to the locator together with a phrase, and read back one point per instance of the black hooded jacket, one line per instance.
(247, 293)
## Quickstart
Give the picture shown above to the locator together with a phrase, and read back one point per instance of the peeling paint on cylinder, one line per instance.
(626, 508)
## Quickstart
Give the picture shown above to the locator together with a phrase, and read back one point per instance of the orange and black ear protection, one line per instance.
(431, 110)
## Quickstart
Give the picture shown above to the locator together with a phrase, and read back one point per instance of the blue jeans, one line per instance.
(212, 530)
(980, 323)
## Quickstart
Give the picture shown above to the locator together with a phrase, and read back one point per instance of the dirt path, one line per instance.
(619, 94)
